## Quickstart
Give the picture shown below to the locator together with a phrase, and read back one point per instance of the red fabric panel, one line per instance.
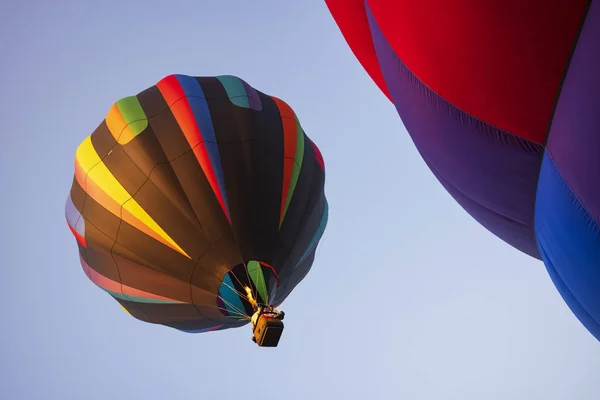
(351, 18)
(501, 61)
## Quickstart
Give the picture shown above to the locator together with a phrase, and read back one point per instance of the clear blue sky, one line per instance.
(418, 301)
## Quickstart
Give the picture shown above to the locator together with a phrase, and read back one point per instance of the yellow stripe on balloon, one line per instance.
(93, 167)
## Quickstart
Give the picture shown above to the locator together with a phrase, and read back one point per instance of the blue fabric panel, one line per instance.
(569, 242)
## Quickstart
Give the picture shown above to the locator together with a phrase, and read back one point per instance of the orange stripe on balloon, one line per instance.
(92, 189)
(102, 198)
(177, 100)
(101, 280)
(80, 174)
(109, 204)
(113, 286)
(173, 94)
(116, 123)
(290, 134)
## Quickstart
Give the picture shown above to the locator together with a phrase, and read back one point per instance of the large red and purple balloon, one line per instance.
(502, 100)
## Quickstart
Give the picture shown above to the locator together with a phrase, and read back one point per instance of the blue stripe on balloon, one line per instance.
(569, 242)
(197, 101)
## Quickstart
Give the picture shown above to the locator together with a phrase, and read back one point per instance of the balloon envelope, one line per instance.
(191, 191)
(501, 99)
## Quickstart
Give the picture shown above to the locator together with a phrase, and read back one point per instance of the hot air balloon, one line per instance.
(198, 204)
(502, 100)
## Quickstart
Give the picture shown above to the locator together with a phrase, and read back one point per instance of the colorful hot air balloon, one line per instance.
(502, 100)
(197, 200)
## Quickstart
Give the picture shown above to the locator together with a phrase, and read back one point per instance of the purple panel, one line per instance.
(74, 217)
(574, 141)
(253, 97)
(501, 226)
(491, 173)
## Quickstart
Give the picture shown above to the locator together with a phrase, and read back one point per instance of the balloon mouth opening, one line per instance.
(244, 287)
